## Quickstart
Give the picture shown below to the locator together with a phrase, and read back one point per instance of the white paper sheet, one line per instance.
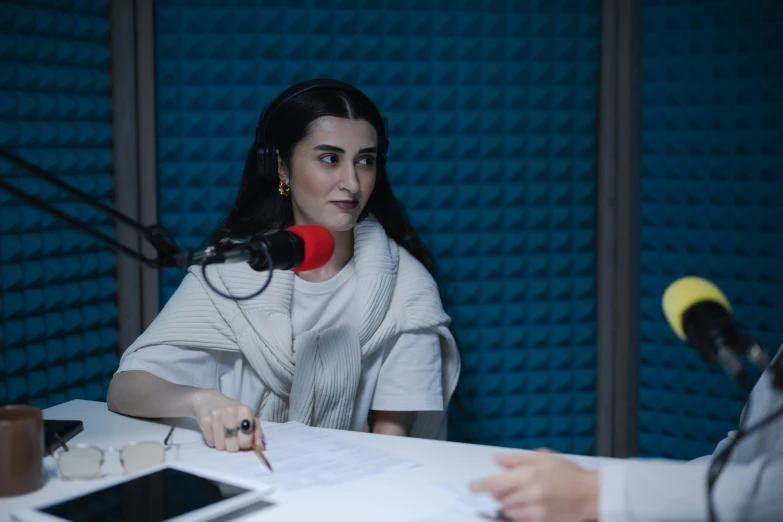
(456, 503)
(300, 457)
(481, 504)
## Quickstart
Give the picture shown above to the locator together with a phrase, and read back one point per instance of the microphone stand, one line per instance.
(168, 253)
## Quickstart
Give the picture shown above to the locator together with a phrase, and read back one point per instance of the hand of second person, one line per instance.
(226, 424)
(543, 487)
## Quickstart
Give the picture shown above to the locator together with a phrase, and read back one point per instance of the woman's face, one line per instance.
(332, 173)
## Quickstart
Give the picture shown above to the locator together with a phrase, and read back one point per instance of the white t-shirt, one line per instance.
(404, 376)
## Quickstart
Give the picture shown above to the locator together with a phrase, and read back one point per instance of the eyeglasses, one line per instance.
(84, 461)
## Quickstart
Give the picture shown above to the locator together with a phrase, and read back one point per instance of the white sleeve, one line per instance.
(635, 490)
(410, 374)
(180, 365)
(611, 500)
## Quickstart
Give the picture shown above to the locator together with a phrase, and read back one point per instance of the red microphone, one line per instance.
(298, 248)
(317, 245)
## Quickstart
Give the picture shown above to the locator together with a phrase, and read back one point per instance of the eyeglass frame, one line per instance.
(56, 454)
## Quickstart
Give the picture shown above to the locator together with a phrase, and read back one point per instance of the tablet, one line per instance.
(166, 493)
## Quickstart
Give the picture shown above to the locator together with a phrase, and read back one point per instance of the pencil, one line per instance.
(261, 456)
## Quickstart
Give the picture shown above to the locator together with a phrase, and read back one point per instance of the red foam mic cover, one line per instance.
(318, 246)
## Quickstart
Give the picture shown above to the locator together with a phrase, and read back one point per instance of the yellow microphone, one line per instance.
(700, 314)
(689, 296)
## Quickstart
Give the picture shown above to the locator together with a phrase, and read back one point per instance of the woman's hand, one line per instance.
(226, 424)
(543, 487)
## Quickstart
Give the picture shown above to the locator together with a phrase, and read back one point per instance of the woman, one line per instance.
(360, 343)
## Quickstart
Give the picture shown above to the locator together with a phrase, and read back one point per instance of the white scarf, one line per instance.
(314, 378)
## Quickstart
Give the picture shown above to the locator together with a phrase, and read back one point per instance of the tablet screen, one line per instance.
(155, 497)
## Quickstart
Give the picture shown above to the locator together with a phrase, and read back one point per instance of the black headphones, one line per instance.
(266, 152)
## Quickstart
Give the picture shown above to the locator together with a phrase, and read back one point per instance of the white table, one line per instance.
(415, 494)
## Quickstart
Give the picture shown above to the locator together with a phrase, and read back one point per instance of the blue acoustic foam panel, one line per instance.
(57, 336)
(492, 113)
(712, 202)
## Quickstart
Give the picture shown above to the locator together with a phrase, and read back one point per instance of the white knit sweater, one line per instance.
(313, 378)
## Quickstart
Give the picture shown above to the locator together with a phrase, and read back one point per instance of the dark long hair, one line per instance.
(259, 208)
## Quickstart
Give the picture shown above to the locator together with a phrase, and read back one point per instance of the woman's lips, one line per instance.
(346, 204)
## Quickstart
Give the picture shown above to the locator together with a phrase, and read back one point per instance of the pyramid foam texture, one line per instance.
(57, 312)
(712, 201)
(492, 114)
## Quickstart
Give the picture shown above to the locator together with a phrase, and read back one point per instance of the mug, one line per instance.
(21, 449)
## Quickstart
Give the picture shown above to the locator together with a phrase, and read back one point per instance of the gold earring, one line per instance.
(283, 188)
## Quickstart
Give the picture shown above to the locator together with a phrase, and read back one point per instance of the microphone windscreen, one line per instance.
(318, 246)
(682, 294)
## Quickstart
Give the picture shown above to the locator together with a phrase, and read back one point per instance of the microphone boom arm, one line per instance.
(168, 253)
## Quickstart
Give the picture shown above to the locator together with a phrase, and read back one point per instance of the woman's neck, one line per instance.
(343, 251)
